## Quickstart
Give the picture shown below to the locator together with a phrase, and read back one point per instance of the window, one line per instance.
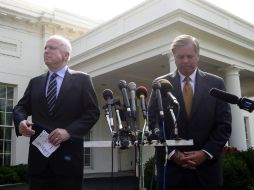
(87, 153)
(6, 106)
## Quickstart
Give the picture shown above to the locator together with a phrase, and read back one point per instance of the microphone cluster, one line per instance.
(129, 132)
(130, 93)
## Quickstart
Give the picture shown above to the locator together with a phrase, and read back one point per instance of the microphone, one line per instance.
(132, 90)
(246, 104)
(108, 97)
(222, 95)
(166, 89)
(117, 105)
(243, 103)
(156, 87)
(141, 93)
(122, 86)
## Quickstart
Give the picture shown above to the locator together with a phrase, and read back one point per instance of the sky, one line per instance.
(104, 10)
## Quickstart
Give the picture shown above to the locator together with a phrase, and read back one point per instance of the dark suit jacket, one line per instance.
(209, 126)
(76, 110)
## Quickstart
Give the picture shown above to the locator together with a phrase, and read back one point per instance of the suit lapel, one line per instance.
(42, 85)
(199, 87)
(63, 89)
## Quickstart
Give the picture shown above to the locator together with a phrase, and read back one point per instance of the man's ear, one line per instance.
(67, 56)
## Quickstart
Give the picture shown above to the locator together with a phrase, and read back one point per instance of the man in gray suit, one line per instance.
(63, 103)
(202, 118)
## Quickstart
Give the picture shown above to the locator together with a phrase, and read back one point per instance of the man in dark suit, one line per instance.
(64, 104)
(202, 118)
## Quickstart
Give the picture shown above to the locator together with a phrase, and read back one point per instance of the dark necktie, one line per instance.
(187, 95)
(51, 94)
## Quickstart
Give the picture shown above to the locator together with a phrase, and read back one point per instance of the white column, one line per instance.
(232, 82)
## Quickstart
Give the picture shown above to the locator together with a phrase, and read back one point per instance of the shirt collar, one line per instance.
(192, 76)
(61, 72)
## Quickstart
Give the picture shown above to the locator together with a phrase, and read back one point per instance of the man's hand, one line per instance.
(58, 136)
(180, 159)
(198, 157)
(189, 160)
(25, 128)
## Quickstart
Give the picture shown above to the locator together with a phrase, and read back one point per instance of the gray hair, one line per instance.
(183, 40)
(65, 42)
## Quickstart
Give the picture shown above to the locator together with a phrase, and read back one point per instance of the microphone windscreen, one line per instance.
(156, 85)
(141, 90)
(132, 86)
(107, 93)
(230, 98)
(122, 84)
(166, 86)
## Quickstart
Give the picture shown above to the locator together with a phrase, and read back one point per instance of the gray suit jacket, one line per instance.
(209, 126)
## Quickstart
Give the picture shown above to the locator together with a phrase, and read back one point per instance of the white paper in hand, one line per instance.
(44, 146)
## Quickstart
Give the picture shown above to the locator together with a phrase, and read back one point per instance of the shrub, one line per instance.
(248, 157)
(8, 175)
(13, 174)
(21, 171)
(236, 173)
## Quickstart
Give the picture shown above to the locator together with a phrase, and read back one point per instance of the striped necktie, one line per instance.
(187, 96)
(51, 94)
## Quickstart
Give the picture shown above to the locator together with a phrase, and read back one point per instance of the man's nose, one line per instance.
(185, 59)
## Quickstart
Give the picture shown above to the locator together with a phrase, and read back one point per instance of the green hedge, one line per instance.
(238, 170)
(13, 174)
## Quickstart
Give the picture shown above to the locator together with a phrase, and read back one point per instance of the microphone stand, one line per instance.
(164, 143)
(172, 114)
(113, 141)
(123, 131)
(141, 167)
(117, 105)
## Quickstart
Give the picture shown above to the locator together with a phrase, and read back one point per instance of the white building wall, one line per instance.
(16, 69)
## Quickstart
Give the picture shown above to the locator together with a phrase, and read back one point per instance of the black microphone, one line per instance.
(132, 90)
(246, 104)
(122, 86)
(108, 96)
(156, 87)
(166, 89)
(222, 95)
(243, 103)
(141, 93)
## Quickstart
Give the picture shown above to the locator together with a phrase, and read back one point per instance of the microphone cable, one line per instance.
(112, 164)
(166, 157)
(141, 184)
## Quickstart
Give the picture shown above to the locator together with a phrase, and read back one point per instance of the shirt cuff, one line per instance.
(171, 154)
(208, 154)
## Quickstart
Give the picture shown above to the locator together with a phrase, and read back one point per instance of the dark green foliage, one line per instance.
(8, 175)
(21, 171)
(248, 157)
(236, 173)
(13, 174)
